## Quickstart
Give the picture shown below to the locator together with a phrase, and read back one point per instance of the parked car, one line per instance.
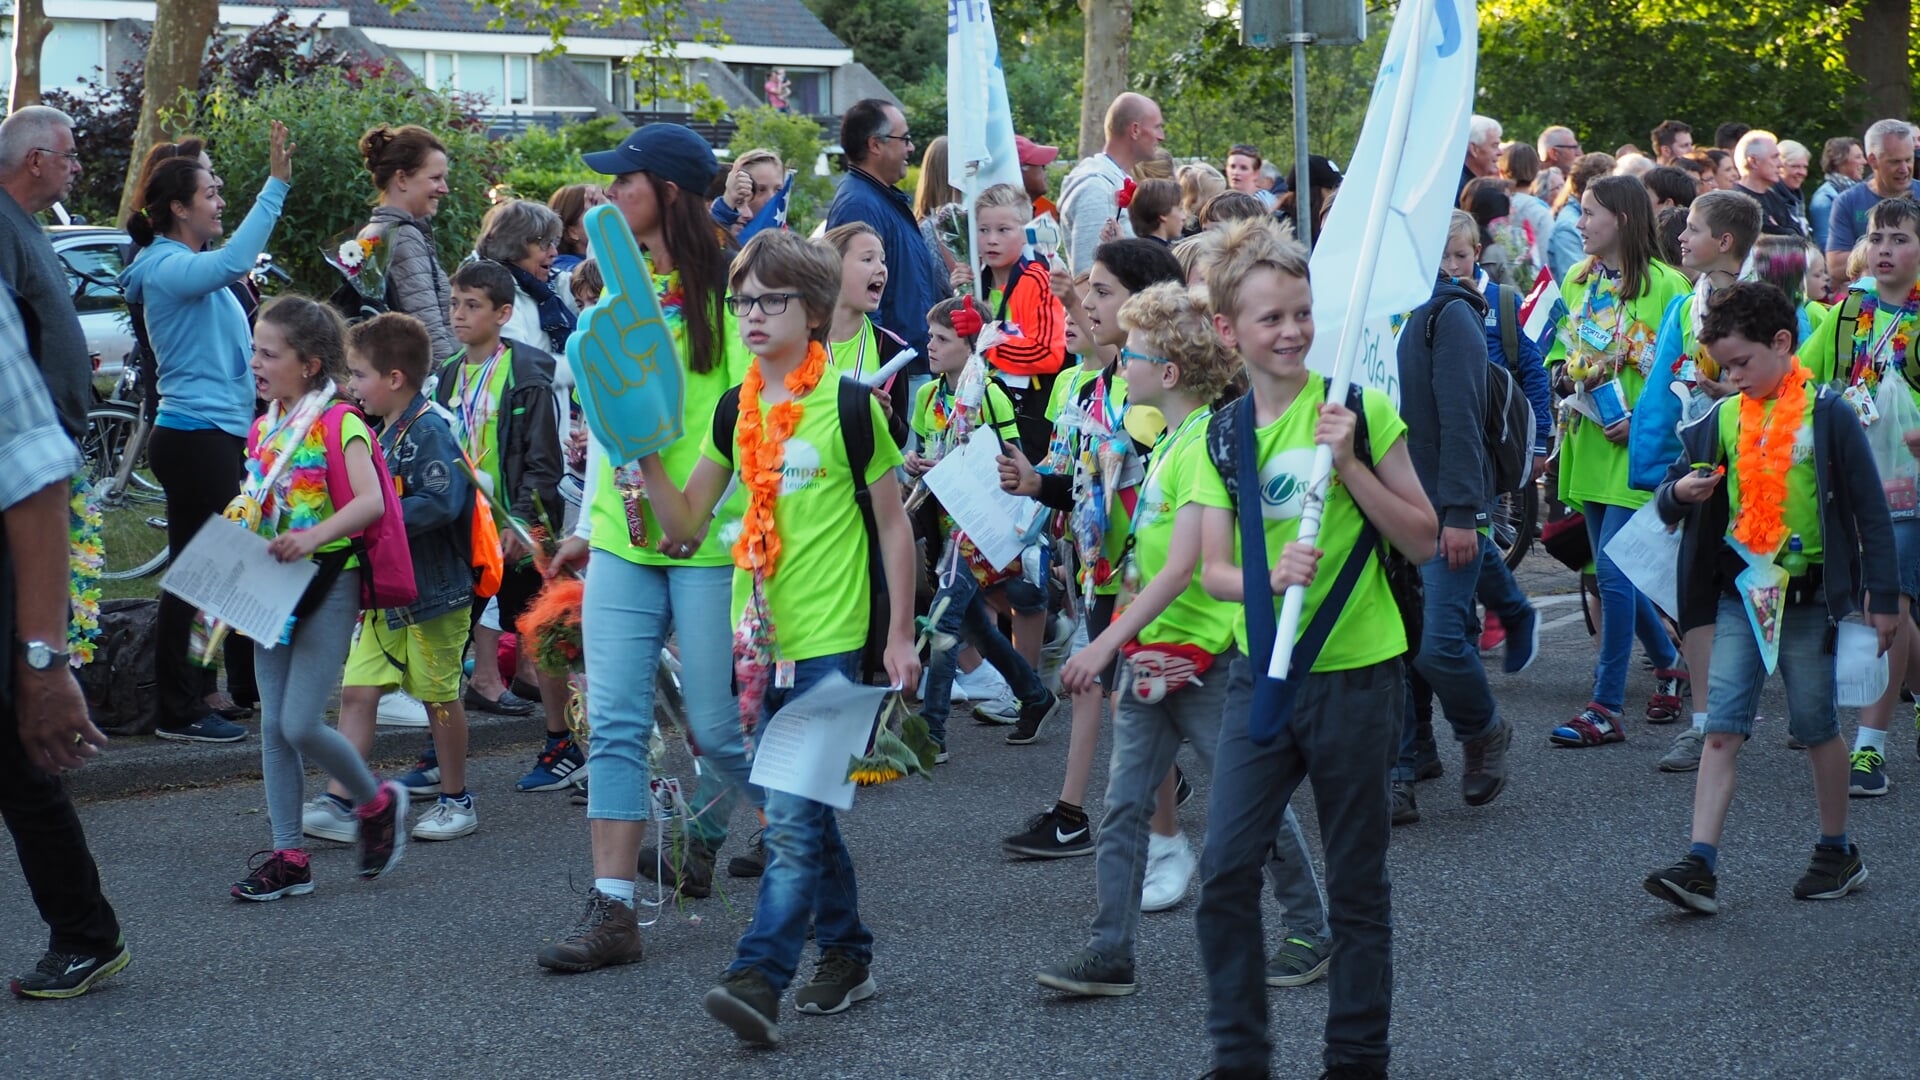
(93, 258)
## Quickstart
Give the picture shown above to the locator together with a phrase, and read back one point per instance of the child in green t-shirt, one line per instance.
(1178, 642)
(1345, 725)
(800, 593)
(1797, 467)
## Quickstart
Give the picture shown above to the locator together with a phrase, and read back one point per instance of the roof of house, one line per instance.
(778, 23)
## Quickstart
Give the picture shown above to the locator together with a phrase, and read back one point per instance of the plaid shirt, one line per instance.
(35, 451)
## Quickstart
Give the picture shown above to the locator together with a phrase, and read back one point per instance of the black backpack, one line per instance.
(1509, 415)
(857, 432)
(120, 684)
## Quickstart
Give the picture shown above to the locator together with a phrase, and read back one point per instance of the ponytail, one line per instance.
(175, 180)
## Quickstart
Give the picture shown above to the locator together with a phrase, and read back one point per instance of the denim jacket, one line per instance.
(436, 500)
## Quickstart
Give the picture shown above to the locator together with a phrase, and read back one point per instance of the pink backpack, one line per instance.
(386, 563)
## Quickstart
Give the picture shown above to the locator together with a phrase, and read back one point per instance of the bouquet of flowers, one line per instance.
(362, 256)
(950, 225)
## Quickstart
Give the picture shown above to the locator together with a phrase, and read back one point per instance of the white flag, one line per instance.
(1426, 170)
(979, 120)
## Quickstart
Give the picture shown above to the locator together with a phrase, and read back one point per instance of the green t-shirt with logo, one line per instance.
(1368, 630)
(1173, 475)
(1828, 352)
(703, 391)
(1591, 468)
(818, 592)
(478, 391)
(995, 407)
(857, 356)
(1802, 512)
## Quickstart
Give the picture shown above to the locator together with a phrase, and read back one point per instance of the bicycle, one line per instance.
(115, 447)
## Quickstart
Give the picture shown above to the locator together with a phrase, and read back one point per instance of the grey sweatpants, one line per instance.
(296, 680)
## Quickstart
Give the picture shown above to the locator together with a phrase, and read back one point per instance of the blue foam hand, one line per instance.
(629, 377)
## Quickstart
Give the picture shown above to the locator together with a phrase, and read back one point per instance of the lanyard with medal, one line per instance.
(1150, 489)
(1870, 367)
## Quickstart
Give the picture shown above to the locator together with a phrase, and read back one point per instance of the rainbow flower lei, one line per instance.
(1866, 372)
(87, 556)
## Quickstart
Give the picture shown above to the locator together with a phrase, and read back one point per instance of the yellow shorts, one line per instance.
(423, 659)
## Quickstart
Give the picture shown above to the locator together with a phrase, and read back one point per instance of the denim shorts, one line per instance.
(1906, 546)
(1736, 674)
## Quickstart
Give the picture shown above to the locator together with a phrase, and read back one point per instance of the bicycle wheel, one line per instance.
(112, 433)
(1513, 518)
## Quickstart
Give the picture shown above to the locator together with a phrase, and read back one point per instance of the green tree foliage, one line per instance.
(900, 41)
(799, 142)
(332, 192)
(1612, 69)
(541, 162)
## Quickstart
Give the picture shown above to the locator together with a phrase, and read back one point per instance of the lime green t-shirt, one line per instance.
(1173, 474)
(858, 355)
(1802, 512)
(1591, 468)
(1828, 352)
(478, 389)
(703, 392)
(1369, 629)
(930, 423)
(817, 594)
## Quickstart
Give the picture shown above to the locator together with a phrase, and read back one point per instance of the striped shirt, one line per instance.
(35, 451)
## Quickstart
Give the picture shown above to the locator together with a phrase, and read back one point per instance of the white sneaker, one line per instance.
(399, 710)
(1003, 710)
(328, 820)
(1059, 645)
(983, 683)
(1169, 870)
(448, 820)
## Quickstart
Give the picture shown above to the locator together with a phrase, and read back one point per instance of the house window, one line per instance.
(484, 76)
(599, 74)
(811, 91)
(519, 80)
(73, 51)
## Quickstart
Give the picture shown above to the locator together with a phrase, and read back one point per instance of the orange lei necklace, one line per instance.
(763, 451)
(1766, 453)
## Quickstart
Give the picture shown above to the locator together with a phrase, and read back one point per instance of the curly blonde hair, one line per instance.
(1177, 324)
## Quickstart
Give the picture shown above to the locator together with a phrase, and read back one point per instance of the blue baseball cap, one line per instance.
(672, 152)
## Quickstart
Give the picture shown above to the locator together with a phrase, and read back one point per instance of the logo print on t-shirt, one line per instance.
(800, 466)
(1283, 484)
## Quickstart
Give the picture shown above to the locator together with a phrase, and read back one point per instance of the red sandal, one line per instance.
(1595, 726)
(1670, 688)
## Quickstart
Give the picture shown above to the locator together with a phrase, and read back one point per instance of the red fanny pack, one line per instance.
(1159, 670)
(386, 563)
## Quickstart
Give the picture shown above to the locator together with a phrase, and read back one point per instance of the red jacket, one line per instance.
(1028, 302)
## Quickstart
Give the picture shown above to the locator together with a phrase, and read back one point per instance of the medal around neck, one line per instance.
(628, 374)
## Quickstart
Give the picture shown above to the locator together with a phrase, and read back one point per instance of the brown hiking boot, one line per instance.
(754, 862)
(687, 867)
(607, 934)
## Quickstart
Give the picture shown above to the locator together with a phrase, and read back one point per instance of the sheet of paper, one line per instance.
(806, 747)
(1859, 667)
(967, 483)
(1649, 555)
(226, 572)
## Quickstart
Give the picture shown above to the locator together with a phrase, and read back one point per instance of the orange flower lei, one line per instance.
(763, 451)
(1766, 453)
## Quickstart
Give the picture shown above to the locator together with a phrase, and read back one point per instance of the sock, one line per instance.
(295, 856)
(1709, 852)
(553, 735)
(1700, 722)
(1070, 811)
(340, 802)
(615, 889)
(465, 800)
(1869, 739)
(1833, 841)
(378, 805)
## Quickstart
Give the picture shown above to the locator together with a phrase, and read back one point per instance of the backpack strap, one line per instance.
(1433, 315)
(726, 418)
(1843, 346)
(1509, 307)
(856, 431)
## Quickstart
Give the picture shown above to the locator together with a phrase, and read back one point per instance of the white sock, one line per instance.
(615, 889)
(1869, 739)
(1700, 721)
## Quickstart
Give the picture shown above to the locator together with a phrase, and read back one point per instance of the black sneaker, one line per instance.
(1833, 874)
(745, 1002)
(1051, 836)
(1405, 810)
(1089, 974)
(838, 981)
(274, 878)
(382, 838)
(68, 975)
(753, 862)
(1484, 775)
(1182, 790)
(1687, 883)
(1031, 717)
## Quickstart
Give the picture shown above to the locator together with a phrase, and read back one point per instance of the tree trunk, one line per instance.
(30, 29)
(1109, 26)
(1877, 52)
(181, 30)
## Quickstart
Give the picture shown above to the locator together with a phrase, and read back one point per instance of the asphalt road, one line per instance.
(1525, 946)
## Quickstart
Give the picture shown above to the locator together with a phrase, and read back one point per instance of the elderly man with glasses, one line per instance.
(38, 165)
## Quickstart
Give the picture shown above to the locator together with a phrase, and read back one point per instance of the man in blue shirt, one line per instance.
(1890, 156)
(873, 133)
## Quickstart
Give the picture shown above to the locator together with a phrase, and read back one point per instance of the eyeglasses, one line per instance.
(1564, 146)
(551, 243)
(773, 303)
(1128, 354)
(908, 139)
(72, 156)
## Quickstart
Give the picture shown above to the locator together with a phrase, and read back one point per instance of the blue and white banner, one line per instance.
(979, 120)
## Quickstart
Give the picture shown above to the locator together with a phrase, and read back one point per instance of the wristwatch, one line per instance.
(41, 656)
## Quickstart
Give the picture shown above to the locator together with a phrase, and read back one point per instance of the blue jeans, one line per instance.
(1624, 611)
(809, 873)
(1449, 649)
(967, 617)
(1737, 673)
(623, 621)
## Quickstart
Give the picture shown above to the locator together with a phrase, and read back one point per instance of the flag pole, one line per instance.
(1350, 332)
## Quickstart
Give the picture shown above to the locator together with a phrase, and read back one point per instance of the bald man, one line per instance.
(1135, 129)
(1758, 156)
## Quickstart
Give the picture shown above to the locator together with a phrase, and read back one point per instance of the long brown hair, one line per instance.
(1626, 199)
(686, 224)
